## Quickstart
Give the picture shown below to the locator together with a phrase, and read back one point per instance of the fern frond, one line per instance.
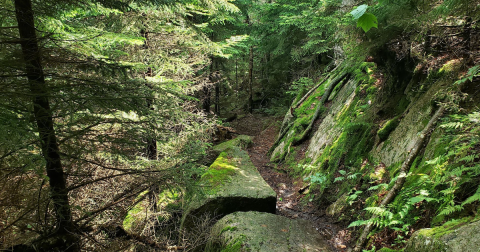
(452, 125)
(450, 209)
(378, 186)
(475, 197)
(469, 158)
(380, 211)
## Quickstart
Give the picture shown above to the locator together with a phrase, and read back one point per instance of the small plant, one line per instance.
(349, 176)
(317, 178)
(351, 199)
(472, 73)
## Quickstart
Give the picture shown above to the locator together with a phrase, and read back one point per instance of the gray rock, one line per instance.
(460, 237)
(232, 183)
(254, 231)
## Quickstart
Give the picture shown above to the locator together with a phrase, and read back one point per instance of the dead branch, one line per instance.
(342, 79)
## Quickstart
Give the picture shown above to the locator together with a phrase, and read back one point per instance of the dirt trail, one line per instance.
(289, 199)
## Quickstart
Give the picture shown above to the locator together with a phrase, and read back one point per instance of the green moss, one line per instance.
(389, 250)
(131, 215)
(241, 141)
(402, 105)
(447, 228)
(388, 128)
(219, 171)
(348, 150)
(229, 228)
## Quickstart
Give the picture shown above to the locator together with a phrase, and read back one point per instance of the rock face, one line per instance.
(328, 130)
(456, 238)
(254, 231)
(232, 183)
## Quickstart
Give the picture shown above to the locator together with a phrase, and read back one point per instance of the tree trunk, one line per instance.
(206, 99)
(214, 78)
(236, 77)
(44, 121)
(250, 80)
(151, 141)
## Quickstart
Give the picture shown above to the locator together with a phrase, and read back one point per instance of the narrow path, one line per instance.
(289, 199)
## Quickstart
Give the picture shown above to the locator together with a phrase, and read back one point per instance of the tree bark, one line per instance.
(214, 78)
(402, 175)
(45, 125)
(206, 99)
(250, 80)
(151, 141)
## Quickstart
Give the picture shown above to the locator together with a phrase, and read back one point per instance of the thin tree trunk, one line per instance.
(206, 99)
(44, 121)
(214, 78)
(236, 77)
(250, 80)
(151, 141)
(402, 175)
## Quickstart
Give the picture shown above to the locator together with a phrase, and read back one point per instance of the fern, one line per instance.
(373, 188)
(452, 125)
(450, 209)
(472, 72)
(473, 198)
(469, 158)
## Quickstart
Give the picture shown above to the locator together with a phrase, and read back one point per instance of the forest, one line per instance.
(240, 125)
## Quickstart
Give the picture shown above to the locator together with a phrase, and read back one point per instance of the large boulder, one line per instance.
(232, 183)
(255, 231)
(456, 236)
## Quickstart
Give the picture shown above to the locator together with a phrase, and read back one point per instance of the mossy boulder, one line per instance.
(241, 141)
(255, 231)
(455, 236)
(401, 138)
(337, 207)
(232, 183)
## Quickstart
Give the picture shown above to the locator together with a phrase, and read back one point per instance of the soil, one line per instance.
(292, 201)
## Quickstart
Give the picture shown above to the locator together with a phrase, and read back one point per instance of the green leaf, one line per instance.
(359, 11)
(367, 21)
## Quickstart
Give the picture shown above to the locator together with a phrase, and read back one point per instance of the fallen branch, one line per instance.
(325, 96)
(324, 99)
(312, 90)
(403, 174)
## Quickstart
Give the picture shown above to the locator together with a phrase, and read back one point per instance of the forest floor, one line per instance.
(291, 202)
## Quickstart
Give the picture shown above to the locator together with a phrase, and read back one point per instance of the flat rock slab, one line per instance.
(232, 183)
(255, 231)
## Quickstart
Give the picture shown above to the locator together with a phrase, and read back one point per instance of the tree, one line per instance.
(93, 109)
(43, 117)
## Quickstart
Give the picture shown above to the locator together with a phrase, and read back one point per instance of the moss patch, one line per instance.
(389, 126)
(241, 141)
(220, 171)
